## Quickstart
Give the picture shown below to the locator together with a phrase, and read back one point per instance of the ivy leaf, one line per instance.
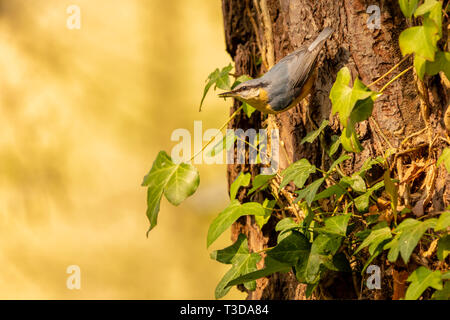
(421, 279)
(220, 79)
(335, 143)
(227, 217)
(441, 63)
(242, 180)
(298, 172)
(271, 266)
(227, 255)
(268, 206)
(261, 182)
(443, 248)
(286, 224)
(248, 109)
(243, 264)
(420, 40)
(341, 159)
(310, 191)
(374, 239)
(431, 9)
(420, 64)
(356, 182)
(322, 251)
(310, 137)
(290, 249)
(336, 225)
(408, 235)
(241, 79)
(349, 140)
(408, 7)
(330, 191)
(344, 98)
(445, 158)
(362, 202)
(175, 181)
(363, 108)
(369, 163)
(391, 189)
(443, 294)
(443, 221)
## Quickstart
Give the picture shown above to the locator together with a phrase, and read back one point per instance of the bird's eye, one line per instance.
(244, 88)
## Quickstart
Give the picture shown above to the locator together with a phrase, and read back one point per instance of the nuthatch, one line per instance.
(286, 83)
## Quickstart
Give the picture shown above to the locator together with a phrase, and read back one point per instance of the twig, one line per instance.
(220, 132)
(389, 72)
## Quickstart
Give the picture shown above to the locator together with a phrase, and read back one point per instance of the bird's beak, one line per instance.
(230, 94)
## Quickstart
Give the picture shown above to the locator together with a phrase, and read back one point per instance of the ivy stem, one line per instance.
(389, 72)
(395, 78)
(220, 132)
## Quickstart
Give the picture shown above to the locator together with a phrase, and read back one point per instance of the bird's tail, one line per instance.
(321, 38)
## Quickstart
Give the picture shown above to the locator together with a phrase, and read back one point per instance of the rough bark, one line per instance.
(368, 54)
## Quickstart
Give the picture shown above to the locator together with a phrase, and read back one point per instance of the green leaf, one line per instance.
(298, 172)
(248, 109)
(220, 79)
(341, 159)
(175, 181)
(225, 144)
(241, 79)
(268, 206)
(391, 190)
(344, 98)
(420, 64)
(369, 163)
(362, 202)
(421, 279)
(408, 235)
(271, 266)
(322, 251)
(443, 294)
(363, 108)
(336, 225)
(356, 182)
(290, 249)
(432, 10)
(374, 239)
(443, 221)
(445, 158)
(335, 143)
(408, 7)
(243, 264)
(242, 180)
(286, 224)
(349, 140)
(420, 40)
(330, 191)
(260, 182)
(440, 63)
(443, 248)
(310, 191)
(310, 137)
(227, 217)
(231, 253)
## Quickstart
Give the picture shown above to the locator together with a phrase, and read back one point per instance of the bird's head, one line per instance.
(253, 92)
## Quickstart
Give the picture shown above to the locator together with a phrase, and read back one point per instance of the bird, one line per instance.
(287, 83)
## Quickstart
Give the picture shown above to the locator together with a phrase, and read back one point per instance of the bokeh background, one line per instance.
(83, 114)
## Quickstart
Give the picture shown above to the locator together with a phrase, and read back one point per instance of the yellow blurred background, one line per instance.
(83, 115)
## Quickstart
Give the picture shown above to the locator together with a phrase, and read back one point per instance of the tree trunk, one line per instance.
(368, 54)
